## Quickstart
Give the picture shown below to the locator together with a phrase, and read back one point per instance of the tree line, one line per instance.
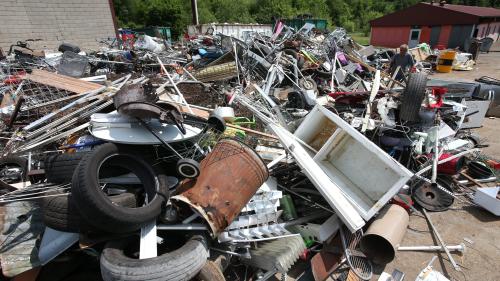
(354, 15)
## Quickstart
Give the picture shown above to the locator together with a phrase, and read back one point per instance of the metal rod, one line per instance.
(460, 248)
(192, 226)
(438, 236)
(160, 139)
(174, 85)
(307, 199)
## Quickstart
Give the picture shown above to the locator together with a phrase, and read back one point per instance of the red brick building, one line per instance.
(436, 24)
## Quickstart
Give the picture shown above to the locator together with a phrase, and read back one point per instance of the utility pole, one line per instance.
(194, 11)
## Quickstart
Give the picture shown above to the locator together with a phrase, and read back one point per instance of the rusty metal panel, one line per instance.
(230, 176)
(21, 224)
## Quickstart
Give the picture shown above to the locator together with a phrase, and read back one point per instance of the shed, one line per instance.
(442, 24)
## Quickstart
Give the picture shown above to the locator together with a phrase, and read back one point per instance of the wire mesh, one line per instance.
(358, 263)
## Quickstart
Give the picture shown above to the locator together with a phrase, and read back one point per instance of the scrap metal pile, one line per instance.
(223, 159)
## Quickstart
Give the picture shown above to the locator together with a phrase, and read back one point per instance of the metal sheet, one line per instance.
(21, 224)
(121, 129)
(55, 242)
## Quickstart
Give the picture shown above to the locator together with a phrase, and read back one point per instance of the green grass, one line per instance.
(360, 38)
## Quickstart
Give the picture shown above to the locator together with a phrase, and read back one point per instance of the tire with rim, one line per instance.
(179, 265)
(61, 213)
(59, 168)
(95, 206)
(413, 96)
(16, 162)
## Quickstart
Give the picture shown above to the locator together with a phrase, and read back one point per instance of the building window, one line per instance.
(414, 35)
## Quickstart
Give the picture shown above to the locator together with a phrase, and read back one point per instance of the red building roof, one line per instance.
(484, 12)
(425, 14)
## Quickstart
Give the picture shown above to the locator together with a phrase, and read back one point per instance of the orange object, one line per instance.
(493, 164)
(445, 62)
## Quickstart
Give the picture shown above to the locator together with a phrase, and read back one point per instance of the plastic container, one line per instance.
(445, 62)
(487, 198)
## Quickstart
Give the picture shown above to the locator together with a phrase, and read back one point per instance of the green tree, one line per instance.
(354, 15)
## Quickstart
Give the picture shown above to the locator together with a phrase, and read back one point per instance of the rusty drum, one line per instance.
(230, 176)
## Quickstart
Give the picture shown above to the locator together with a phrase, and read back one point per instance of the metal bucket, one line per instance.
(382, 238)
(230, 176)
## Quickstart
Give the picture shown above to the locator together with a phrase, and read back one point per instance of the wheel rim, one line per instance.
(116, 175)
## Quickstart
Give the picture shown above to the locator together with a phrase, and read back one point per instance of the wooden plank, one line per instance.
(62, 82)
(471, 179)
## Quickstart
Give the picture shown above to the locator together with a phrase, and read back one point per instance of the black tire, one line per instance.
(61, 213)
(15, 161)
(180, 265)
(59, 168)
(188, 168)
(96, 207)
(210, 272)
(413, 96)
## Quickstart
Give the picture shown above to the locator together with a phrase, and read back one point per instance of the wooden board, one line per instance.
(62, 82)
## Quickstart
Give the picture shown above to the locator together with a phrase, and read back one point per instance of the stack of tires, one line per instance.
(101, 201)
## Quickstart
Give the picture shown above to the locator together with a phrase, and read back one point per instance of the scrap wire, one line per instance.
(27, 193)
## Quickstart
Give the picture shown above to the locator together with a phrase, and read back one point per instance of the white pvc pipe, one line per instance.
(459, 248)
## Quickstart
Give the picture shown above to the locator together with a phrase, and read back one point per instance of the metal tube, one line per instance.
(438, 236)
(174, 85)
(460, 248)
(192, 226)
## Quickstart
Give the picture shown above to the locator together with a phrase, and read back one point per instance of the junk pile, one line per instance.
(221, 159)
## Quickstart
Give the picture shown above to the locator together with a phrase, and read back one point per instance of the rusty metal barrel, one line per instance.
(230, 175)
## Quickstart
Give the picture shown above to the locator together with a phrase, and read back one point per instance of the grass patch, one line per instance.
(360, 38)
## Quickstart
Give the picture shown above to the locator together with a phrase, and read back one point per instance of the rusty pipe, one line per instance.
(229, 176)
(382, 238)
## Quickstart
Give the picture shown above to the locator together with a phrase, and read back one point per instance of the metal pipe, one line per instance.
(460, 248)
(436, 158)
(174, 85)
(438, 236)
(192, 226)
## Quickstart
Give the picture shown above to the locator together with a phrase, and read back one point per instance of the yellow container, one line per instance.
(445, 62)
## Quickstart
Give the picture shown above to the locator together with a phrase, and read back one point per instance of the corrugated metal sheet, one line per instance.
(391, 37)
(21, 224)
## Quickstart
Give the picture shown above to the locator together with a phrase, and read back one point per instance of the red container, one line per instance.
(451, 167)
